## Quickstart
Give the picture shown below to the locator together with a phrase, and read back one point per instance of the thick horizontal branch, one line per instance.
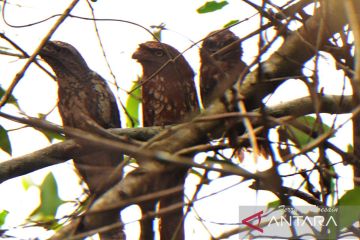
(61, 152)
(54, 154)
(333, 104)
(122, 144)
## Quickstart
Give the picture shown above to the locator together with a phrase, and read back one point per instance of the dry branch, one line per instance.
(20, 74)
(61, 152)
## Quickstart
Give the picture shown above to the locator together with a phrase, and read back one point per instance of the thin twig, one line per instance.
(20, 74)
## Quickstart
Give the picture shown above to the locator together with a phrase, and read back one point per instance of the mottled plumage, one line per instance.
(87, 103)
(170, 94)
(168, 97)
(219, 55)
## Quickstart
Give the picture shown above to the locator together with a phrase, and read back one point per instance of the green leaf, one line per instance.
(303, 138)
(350, 148)
(11, 100)
(231, 23)
(5, 144)
(157, 31)
(49, 134)
(133, 104)
(3, 215)
(273, 204)
(211, 6)
(53, 135)
(350, 198)
(27, 182)
(49, 201)
(311, 121)
(349, 207)
(129, 160)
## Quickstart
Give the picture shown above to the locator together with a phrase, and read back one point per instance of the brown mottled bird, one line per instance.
(168, 96)
(86, 103)
(219, 55)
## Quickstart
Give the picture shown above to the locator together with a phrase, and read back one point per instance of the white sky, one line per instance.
(37, 93)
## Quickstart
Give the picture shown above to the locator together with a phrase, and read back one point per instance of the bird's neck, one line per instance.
(169, 70)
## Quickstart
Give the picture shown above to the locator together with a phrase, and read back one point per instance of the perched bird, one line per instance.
(87, 103)
(168, 88)
(219, 54)
(168, 97)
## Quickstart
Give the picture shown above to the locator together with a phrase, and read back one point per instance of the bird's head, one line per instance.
(63, 58)
(222, 45)
(154, 56)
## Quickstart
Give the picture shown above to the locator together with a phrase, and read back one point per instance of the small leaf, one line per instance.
(231, 23)
(350, 198)
(311, 121)
(3, 215)
(49, 134)
(350, 207)
(133, 104)
(27, 182)
(211, 6)
(350, 148)
(49, 201)
(5, 144)
(273, 204)
(130, 160)
(302, 138)
(157, 31)
(11, 100)
(53, 135)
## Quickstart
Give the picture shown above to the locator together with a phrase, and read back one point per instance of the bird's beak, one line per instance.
(140, 54)
(47, 49)
(136, 55)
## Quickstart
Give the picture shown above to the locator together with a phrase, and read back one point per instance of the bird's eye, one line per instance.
(212, 46)
(159, 53)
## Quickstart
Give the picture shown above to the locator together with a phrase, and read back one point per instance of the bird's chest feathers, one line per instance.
(84, 99)
(164, 100)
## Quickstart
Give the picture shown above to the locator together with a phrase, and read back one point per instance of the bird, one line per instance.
(86, 102)
(220, 53)
(168, 97)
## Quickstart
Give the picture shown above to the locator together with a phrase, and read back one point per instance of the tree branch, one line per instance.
(20, 74)
(61, 152)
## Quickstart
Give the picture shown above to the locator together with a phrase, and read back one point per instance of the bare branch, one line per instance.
(20, 74)
(61, 152)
